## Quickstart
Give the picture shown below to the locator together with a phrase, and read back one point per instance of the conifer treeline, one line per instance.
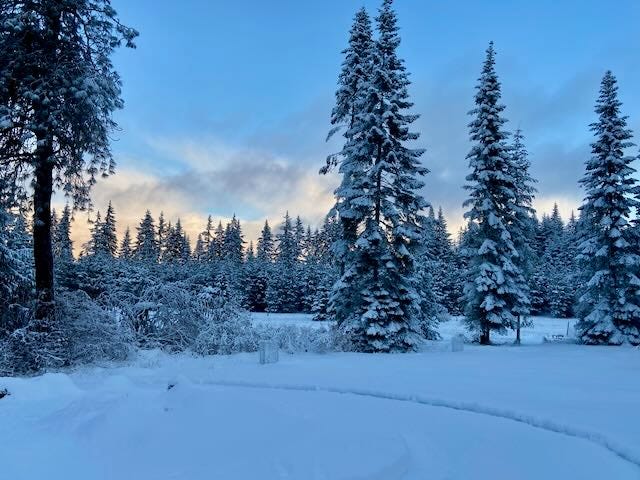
(290, 270)
(294, 269)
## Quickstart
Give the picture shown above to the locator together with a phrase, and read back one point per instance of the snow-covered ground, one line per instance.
(536, 411)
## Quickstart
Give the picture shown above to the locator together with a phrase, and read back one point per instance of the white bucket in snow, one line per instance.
(268, 352)
(457, 343)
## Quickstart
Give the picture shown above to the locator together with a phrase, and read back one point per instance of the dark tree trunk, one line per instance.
(518, 331)
(43, 183)
(42, 251)
(485, 338)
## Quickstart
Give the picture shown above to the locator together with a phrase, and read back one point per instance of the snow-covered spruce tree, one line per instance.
(610, 312)
(259, 271)
(283, 290)
(62, 243)
(255, 282)
(355, 73)
(233, 244)
(380, 307)
(548, 266)
(266, 246)
(95, 243)
(199, 250)
(146, 248)
(207, 238)
(299, 236)
(495, 282)
(63, 249)
(126, 249)
(16, 277)
(522, 228)
(58, 91)
(163, 231)
(216, 248)
(177, 248)
(109, 232)
(103, 240)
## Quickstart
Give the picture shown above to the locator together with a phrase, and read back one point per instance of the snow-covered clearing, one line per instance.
(530, 412)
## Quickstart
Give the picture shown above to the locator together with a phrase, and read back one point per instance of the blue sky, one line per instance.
(227, 103)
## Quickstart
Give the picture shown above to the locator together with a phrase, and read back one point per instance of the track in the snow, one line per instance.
(542, 424)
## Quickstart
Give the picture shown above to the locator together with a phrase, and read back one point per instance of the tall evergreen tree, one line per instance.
(495, 285)
(610, 312)
(356, 68)
(356, 72)
(58, 93)
(522, 228)
(376, 302)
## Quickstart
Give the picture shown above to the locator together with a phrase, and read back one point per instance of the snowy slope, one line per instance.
(224, 418)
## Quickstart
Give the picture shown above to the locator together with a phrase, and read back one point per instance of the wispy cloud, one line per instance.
(211, 178)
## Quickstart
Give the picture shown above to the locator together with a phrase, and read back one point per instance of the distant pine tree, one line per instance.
(177, 247)
(62, 244)
(146, 248)
(206, 238)
(266, 246)
(108, 237)
(163, 232)
(199, 253)
(96, 243)
(233, 245)
(126, 249)
(216, 248)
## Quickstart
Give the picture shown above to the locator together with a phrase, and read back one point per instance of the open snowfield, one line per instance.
(531, 412)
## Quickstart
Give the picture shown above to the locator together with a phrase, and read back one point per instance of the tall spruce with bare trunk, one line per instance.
(58, 92)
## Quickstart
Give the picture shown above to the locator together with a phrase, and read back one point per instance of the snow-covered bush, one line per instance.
(167, 316)
(37, 346)
(82, 332)
(226, 328)
(296, 339)
(93, 332)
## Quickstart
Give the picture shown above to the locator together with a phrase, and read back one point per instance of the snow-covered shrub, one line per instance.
(122, 304)
(40, 345)
(296, 339)
(167, 316)
(93, 333)
(226, 328)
